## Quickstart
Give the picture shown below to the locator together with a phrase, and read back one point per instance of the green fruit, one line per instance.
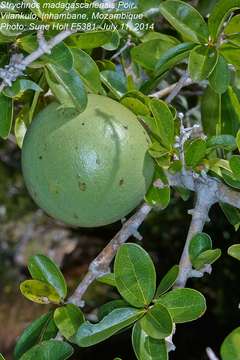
(87, 169)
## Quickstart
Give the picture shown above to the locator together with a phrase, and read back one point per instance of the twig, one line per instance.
(100, 265)
(179, 85)
(211, 355)
(18, 63)
(169, 89)
(125, 47)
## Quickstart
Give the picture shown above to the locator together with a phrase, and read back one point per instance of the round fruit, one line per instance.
(87, 169)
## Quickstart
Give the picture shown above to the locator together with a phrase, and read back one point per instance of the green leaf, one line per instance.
(1, 357)
(19, 86)
(231, 53)
(207, 257)
(173, 57)
(58, 90)
(230, 112)
(220, 12)
(72, 85)
(238, 140)
(232, 214)
(6, 116)
(147, 348)
(21, 123)
(195, 152)
(108, 279)
(211, 111)
(157, 322)
(229, 179)
(234, 163)
(44, 269)
(234, 251)
(164, 122)
(39, 330)
(157, 48)
(90, 334)
(87, 69)
(60, 54)
(107, 308)
(90, 40)
(225, 142)
(115, 82)
(68, 319)
(39, 292)
(230, 346)
(202, 62)
(233, 26)
(198, 244)
(219, 79)
(184, 305)
(135, 105)
(135, 275)
(49, 350)
(168, 281)
(159, 192)
(186, 20)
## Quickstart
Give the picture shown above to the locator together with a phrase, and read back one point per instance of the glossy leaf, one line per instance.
(115, 82)
(135, 275)
(107, 308)
(185, 19)
(90, 334)
(230, 107)
(234, 163)
(39, 330)
(20, 126)
(207, 257)
(68, 318)
(157, 322)
(231, 345)
(135, 105)
(147, 348)
(184, 305)
(168, 281)
(234, 251)
(232, 214)
(199, 243)
(19, 86)
(219, 14)
(230, 180)
(108, 279)
(233, 26)
(195, 152)
(87, 69)
(6, 116)
(219, 79)
(91, 39)
(49, 350)
(231, 53)
(164, 122)
(159, 192)
(202, 61)
(173, 56)
(58, 90)
(1, 357)
(39, 292)
(72, 85)
(238, 140)
(44, 269)
(157, 48)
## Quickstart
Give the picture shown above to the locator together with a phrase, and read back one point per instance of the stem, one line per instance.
(205, 198)
(179, 85)
(100, 265)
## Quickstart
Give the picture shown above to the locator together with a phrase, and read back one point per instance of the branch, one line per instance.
(18, 63)
(169, 89)
(179, 85)
(100, 265)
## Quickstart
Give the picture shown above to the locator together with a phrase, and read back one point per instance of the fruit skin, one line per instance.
(89, 169)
